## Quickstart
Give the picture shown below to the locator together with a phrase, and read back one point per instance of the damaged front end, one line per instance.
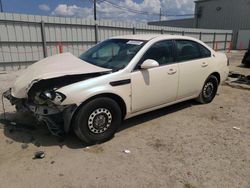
(47, 110)
(44, 102)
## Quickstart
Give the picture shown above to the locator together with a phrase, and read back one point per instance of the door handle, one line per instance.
(172, 71)
(204, 64)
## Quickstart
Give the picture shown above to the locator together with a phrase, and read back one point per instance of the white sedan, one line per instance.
(115, 80)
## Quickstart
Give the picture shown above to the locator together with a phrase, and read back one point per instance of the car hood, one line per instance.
(52, 67)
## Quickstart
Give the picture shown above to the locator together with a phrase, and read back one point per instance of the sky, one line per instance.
(127, 10)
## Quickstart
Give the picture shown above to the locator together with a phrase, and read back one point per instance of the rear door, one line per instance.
(194, 64)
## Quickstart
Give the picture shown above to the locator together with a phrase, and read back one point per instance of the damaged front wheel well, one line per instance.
(115, 97)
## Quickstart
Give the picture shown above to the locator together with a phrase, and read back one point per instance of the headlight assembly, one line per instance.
(53, 96)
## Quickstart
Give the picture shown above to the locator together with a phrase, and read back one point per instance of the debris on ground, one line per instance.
(24, 146)
(52, 162)
(236, 79)
(37, 144)
(39, 155)
(236, 128)
(127, 151)
(9, 141)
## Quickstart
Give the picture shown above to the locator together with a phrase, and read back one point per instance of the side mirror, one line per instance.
(149, 63)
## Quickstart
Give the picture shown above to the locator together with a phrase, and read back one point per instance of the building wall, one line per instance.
(243, 40)
(224, 14)
(185, 23)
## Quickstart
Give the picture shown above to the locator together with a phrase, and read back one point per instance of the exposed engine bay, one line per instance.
(44, 101)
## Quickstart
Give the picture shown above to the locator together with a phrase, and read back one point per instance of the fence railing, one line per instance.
(25, 39)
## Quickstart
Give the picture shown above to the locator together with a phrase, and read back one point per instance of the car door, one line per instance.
(194, 64)
(158, 85)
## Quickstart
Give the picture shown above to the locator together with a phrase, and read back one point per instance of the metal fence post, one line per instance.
(214, 40)
(200, 36)
(162, 31)
(225, 45)
(183, 33)
(134, 30)
(45, 52)
(96, 33)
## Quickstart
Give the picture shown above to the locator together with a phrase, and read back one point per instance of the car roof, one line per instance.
(148, 37)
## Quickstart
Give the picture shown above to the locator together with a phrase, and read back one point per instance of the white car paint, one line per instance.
(149, 89)
(52, 67)
(153, 88)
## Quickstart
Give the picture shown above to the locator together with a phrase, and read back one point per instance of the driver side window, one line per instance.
(162, 52)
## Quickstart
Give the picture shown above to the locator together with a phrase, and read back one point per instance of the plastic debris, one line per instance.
(127, 151)
(236, 128)
(13, 123)
(39, 155)
(37, 144)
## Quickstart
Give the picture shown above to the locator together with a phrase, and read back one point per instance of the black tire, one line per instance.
(209, 90)
(97, 120)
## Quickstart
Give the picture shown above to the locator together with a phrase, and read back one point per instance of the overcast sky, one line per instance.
(84, 8)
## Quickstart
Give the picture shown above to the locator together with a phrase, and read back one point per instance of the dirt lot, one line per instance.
(186, 145)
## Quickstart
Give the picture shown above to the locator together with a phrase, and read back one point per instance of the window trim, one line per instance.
(206, 49)
(136, 68)
(174, 53)
(197, 43)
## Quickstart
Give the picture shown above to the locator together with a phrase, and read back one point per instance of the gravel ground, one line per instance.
(185, 145)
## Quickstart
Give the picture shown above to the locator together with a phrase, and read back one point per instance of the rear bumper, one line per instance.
(57, 118)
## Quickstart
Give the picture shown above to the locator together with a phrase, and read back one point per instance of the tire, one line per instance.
(97, 120)
(209, 90)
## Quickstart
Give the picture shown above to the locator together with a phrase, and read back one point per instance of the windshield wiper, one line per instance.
(117, 69)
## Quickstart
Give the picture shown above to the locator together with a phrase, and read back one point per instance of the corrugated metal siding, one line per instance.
(243, 41)
(185, 23)
(234, 14)
(21, 36)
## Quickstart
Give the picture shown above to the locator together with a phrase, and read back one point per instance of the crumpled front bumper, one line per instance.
(56, 117)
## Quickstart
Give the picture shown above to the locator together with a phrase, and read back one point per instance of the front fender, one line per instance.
(77, 95)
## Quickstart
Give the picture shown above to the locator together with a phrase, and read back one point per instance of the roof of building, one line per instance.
(147, 37)
(198, 1)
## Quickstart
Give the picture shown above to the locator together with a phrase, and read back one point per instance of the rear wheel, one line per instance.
(98, 120)
(209, 90)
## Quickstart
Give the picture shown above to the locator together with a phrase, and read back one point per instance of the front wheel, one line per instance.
(209, 90)
(97, 120)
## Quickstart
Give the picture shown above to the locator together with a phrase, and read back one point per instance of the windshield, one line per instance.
(113, 54)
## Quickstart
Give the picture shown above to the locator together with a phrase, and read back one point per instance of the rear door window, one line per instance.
(204, 51)
(187, 50)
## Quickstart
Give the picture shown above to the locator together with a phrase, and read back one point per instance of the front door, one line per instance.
(159, 85)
